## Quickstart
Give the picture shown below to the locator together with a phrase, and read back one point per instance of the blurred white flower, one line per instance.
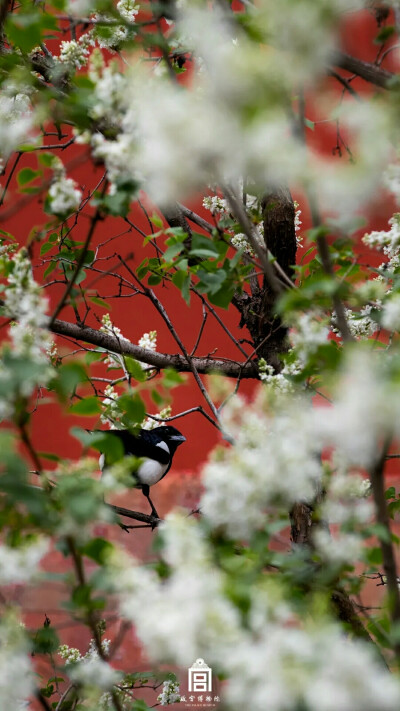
(21, 565)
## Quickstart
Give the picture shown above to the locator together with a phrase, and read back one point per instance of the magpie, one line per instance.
(156, 447)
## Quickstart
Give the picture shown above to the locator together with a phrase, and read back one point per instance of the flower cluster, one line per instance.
(128, 10)
(389, 240)
(272, 661)
(25, 302)
(64, 197)
(309, 332)
(75, 53)
(16, 120)
(21, 564)
(170, 693)
(242, 481)
(390, 317)
(149, 341)
(17, 676)
(360, 323)
(280, 382)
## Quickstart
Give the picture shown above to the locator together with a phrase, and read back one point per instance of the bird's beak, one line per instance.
(178, 438)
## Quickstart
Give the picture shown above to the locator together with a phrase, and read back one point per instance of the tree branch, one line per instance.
(369, 72)
(382, 517)
(122, 346)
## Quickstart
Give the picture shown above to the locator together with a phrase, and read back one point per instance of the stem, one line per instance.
(386, 544)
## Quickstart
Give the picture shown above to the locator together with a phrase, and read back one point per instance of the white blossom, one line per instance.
(264, 467)
(285, 668)
(389, 240)
(111, 35)
(216, 205)
(149, 341)
(128, 10)
(16, 120)
(110, 403)
(191, 598)
(80, 8)
(341, 549)
(94, 671)
(75, 52)
(309, 333)
(365, 410)
(391, 179)
(26, 303)
(21, 565)
(240, 241)
(360, 323)
(390, 318)
(280, 382)
(16, 673)
(64, 196)
(170, 693)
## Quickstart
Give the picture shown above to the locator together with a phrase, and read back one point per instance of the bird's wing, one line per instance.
(142, 445)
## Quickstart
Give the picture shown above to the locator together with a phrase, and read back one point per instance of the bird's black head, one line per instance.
(171, 436)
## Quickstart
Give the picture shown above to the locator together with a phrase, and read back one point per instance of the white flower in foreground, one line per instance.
(274, 461)
(64, 196)
(365, 410)
(16, 673)
(191, 599)
(280, 669)
(94, 671)
(80, 8)
(16, 121)
(345, 548)
(391, 313)
(21, 565)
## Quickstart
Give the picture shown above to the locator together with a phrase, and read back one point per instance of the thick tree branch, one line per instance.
(369, 72)
(122, 346)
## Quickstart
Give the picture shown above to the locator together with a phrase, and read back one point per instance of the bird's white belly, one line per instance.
(150, 472)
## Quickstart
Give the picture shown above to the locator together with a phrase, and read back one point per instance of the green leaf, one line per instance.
(140, 705)
(50, 456)
(182, 281)
(390, 493)
(135, 369)
(384, 34)
(102, 441)
(45, 641)
(156, 220)
(154, 279)
(171, 378)
(173, 251)
(87, 406)
(134, 408)
(100, 302)
(203, 247)
(46, 247)
(46, 158)
(68, 377)
(52, 266)
(26, 175)
(98, 549)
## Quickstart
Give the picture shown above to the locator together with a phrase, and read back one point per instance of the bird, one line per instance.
(156, 448)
